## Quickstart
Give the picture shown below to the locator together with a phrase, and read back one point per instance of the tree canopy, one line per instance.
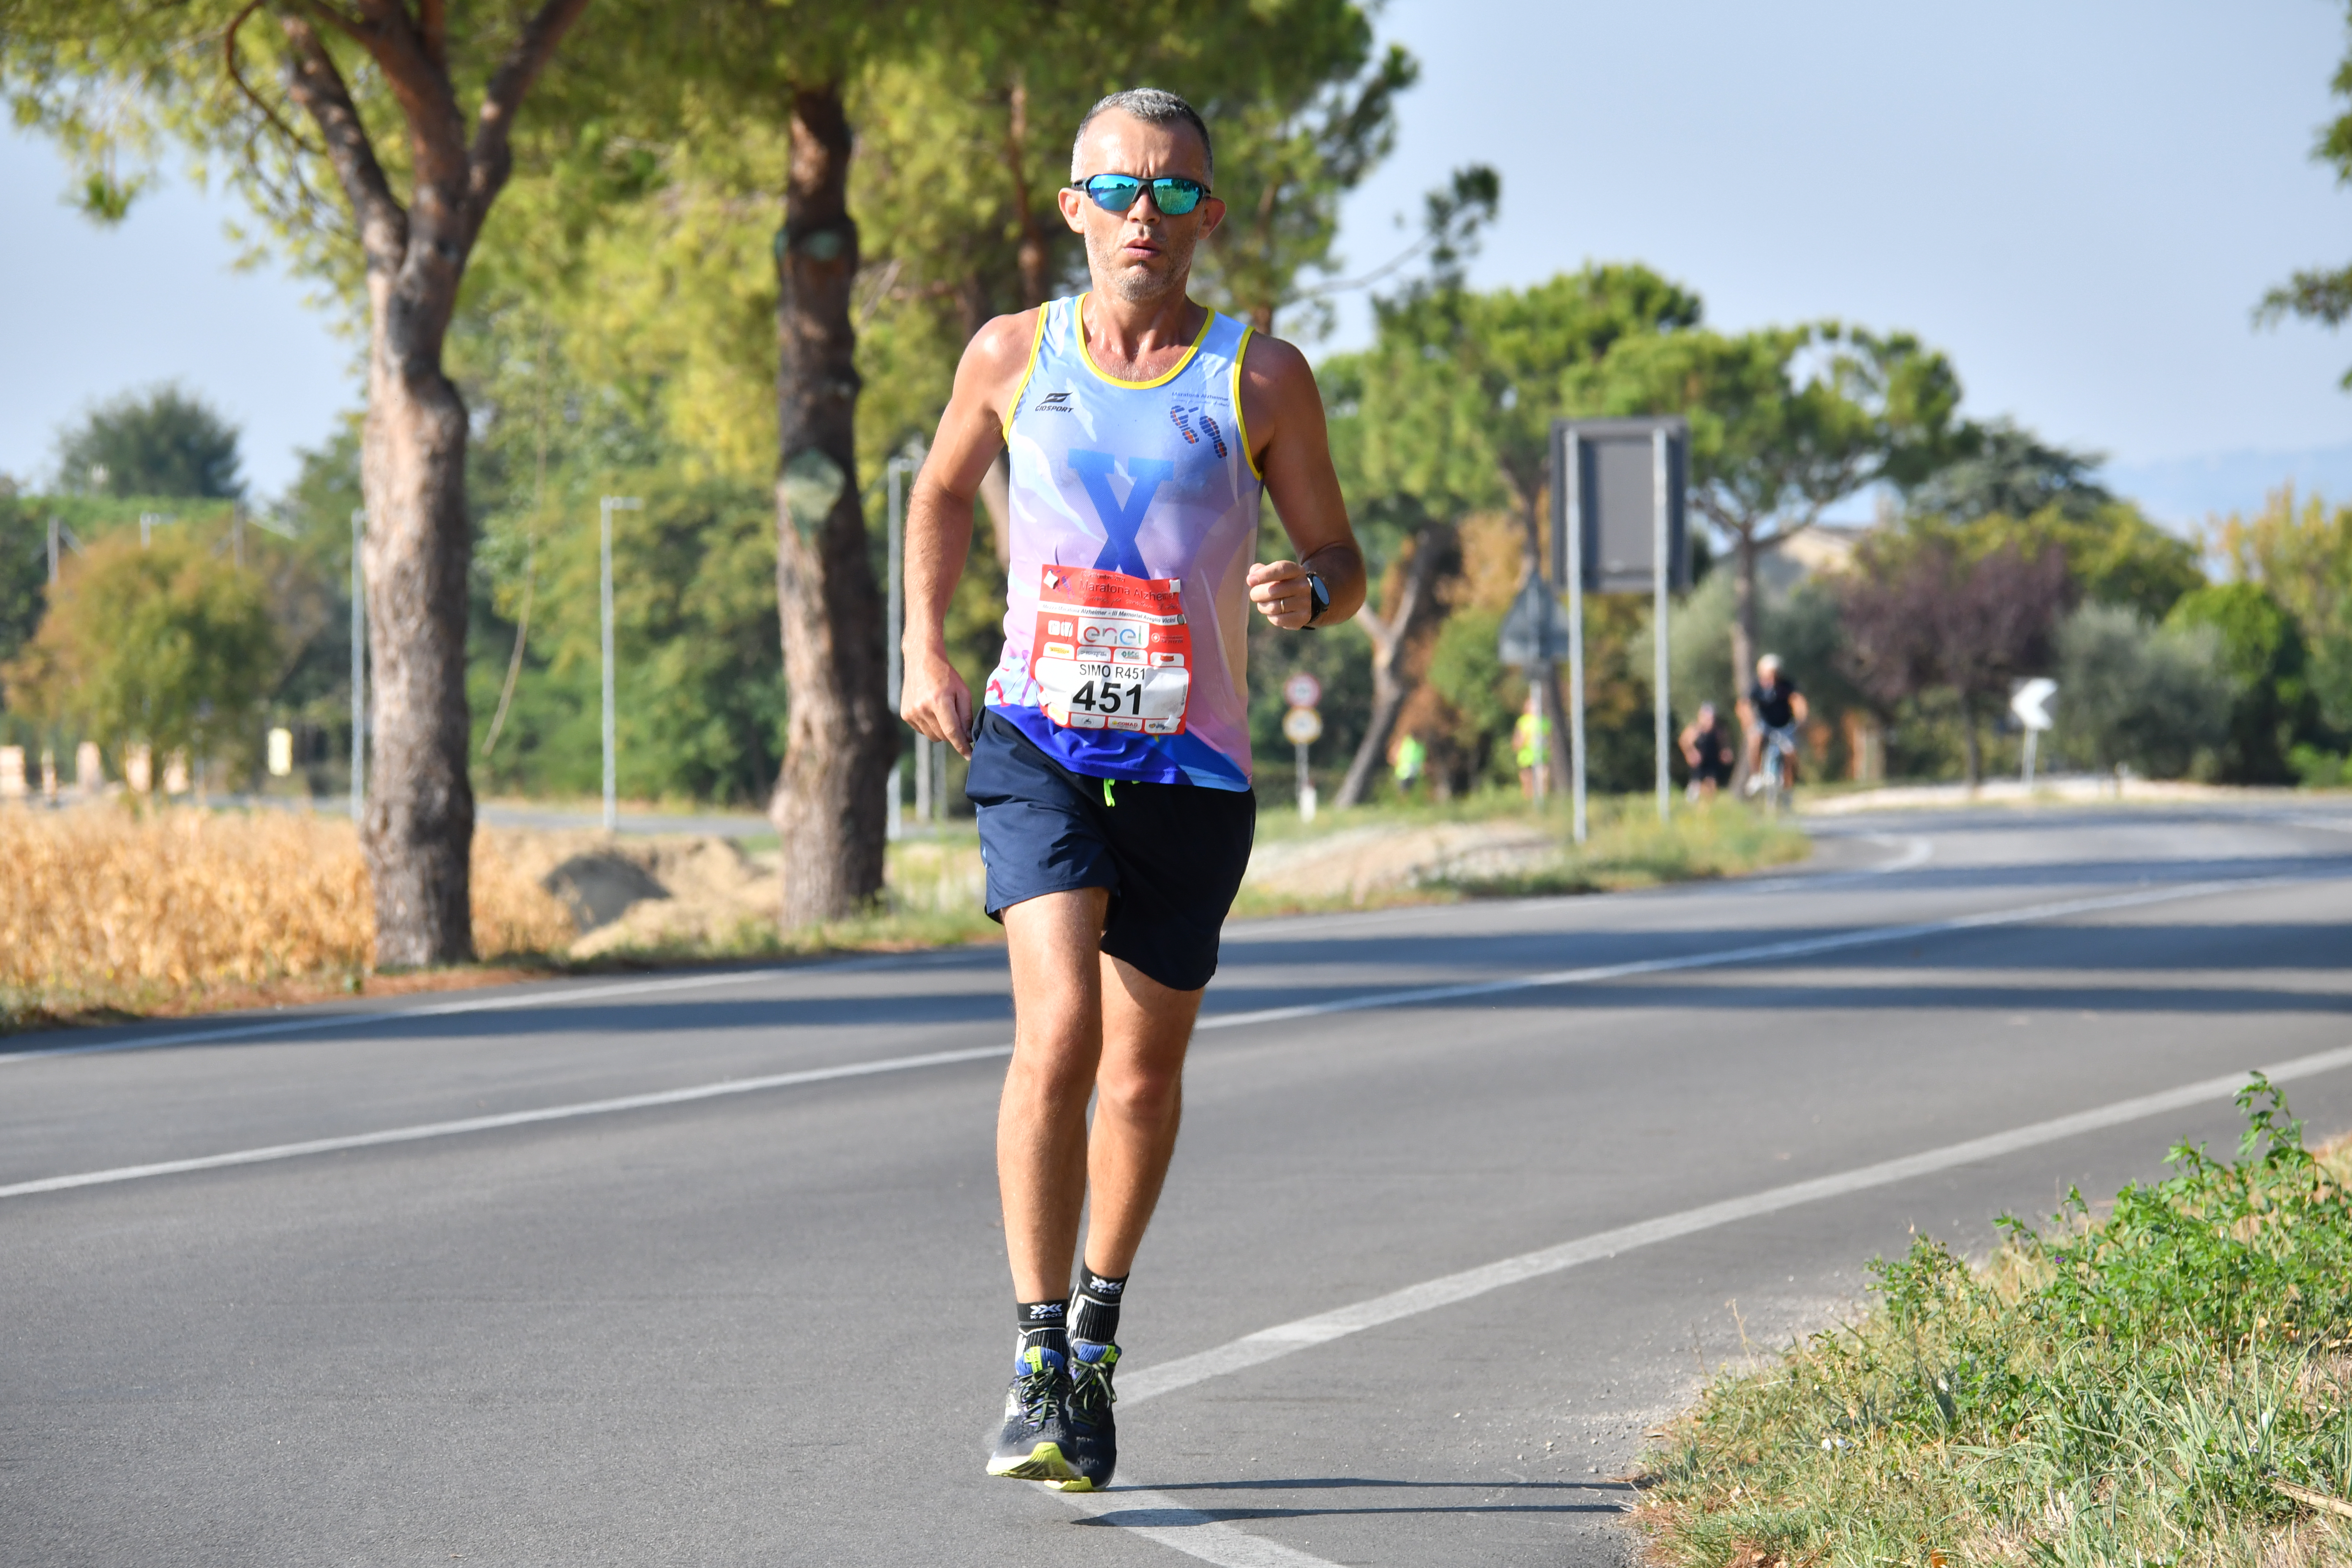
(166, 645)
(2322, 294)
(162, 442)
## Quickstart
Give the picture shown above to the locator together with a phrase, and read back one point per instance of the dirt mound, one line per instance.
(647, 892)
(1357, 863)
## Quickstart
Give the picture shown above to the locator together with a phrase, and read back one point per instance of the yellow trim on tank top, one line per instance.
(1078, 310)
(1036, 341)
(1241, 420)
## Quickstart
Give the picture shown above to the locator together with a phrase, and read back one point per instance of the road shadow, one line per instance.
(1524, 1500)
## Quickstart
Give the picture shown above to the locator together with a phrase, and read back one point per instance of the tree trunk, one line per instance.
(828, 804)
(419, 831)
(1560, 779)
(418, 834)
(1743, 618)
(1972, 744)
(1034, 255)
(1389, 687)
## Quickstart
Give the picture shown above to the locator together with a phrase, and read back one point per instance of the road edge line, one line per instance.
(1322, 1328)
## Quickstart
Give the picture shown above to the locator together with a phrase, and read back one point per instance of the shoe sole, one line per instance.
(1043, 1463)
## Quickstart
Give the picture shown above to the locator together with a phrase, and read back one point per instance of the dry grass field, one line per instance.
(110, 909)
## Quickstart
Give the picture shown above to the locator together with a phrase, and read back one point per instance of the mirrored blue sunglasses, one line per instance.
(1173, 195)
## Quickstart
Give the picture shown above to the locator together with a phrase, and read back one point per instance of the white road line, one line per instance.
(1158, 1517)
(1796, 947)
(500, 1004)
(508, 1119)
(1283, 1339)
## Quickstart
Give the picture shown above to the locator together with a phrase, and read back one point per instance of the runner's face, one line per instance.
(1142, 253)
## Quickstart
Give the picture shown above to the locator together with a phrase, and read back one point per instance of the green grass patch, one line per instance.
(1626, 845)
(2170, 1383)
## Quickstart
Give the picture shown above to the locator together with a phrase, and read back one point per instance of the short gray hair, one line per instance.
(1153, 106)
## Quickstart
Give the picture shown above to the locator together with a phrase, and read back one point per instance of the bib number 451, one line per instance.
(1107, 697)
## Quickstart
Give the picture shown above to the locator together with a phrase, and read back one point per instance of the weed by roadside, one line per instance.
(1628, 847)
(2169, 1383)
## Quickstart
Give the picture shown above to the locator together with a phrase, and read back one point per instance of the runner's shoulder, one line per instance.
(998, 352)
(1272, 366)
(1276, 381)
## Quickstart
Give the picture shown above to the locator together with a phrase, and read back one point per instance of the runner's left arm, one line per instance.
(1283, 411)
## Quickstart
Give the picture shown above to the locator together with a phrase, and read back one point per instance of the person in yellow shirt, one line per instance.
(1531, 741)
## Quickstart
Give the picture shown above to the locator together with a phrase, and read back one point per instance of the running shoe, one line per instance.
(1031, 1447)
(1094, 1436)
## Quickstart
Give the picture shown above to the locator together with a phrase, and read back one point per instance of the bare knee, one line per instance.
(1140, 1097)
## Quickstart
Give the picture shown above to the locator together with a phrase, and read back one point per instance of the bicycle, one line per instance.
(1780, 753)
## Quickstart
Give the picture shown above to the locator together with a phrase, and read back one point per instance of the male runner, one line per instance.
(1772, 703)
(1111, 766)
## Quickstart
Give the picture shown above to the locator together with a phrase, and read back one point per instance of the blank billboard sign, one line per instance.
(1604, 492)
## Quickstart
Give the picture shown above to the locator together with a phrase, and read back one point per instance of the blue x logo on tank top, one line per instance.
(1120, 520)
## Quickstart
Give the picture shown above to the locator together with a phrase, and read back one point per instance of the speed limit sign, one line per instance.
(1302, 726)
(1302, 691)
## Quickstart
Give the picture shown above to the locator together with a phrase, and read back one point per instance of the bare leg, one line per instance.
(1084, 1024)
(1056, 944)
(1139, 1099)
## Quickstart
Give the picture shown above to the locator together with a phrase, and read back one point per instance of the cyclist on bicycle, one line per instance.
(1774, 708)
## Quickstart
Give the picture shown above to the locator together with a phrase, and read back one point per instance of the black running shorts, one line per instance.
(1171, 855)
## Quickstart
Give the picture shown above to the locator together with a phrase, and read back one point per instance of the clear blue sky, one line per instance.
(2080, 203)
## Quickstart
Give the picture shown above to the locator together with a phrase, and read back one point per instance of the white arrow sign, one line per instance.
(2032, 704)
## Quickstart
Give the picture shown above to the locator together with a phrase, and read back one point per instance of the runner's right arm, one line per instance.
(932, 696)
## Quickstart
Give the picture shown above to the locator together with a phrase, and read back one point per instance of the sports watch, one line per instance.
(1322, 597)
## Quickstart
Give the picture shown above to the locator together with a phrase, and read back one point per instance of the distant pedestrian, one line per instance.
(1411, 757)
(1531, 742)
(1708, 749)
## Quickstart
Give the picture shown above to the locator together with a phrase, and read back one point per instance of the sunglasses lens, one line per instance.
(1175, 198)
(1114, 193)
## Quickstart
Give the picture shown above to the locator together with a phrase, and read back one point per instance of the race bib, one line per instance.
(1112, 652)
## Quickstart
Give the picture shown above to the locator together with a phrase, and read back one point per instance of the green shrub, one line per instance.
(2130, 1389)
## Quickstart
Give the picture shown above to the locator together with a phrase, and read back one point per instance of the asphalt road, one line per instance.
(1464, 1201)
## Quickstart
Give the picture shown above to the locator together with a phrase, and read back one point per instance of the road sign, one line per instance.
(1535, 631)
(1605, 481)
(1302, 691)
(1302, 726)
(2032, 704)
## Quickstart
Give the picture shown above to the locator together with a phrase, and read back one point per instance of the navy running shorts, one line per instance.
(1171, 855)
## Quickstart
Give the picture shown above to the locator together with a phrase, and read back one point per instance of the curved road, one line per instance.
(704, 1268)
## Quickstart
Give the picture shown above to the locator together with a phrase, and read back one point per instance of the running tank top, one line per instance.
(1134, 518)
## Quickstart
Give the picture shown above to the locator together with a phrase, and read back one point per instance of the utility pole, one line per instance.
(1662, 578)
(359, 671)
(893, 627)
(605, 510)
(1567, 563)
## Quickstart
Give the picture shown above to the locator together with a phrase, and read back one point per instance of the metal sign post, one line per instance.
(1302, 726)
(606, 507)
(1620, 513)
(893, 628)
(1661, 496)
(359, 670)
(1567, 561)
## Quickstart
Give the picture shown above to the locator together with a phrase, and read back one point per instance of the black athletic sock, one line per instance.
(1094, 1311)
(1043, 1324)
